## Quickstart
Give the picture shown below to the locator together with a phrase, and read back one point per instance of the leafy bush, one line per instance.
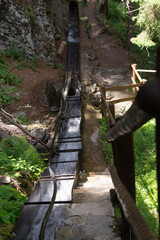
(118, 19)
(7, 95)
(11, 78)
(148, 20)
(16, 155)
(11, 202)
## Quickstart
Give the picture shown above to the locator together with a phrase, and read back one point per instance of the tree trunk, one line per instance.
(130, 29)
(106, 8)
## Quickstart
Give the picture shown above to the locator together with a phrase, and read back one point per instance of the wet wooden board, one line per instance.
(76, 96)
(64, 168)
(65, 156)
(44, 191)
(31, 218)
(70, 128)
(73, 108)
(70, 146)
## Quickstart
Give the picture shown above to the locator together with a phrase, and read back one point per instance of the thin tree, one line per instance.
(130, 29)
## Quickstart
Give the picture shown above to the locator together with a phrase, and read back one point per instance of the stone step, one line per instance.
(88, 221)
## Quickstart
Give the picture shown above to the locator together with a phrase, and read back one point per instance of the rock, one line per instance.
(38, 130)
(29, 31)
(5, 179)
(53, 94)
(109, 95)
(57, 36)
(93, 88)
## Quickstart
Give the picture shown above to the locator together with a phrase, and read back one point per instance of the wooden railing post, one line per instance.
(125, 162)
(123, 149)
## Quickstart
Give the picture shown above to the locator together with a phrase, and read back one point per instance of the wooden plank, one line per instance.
(70, 128)
(44, 190)
(31, 218)
(73, 108)
(61, 168)
(70, 146)
(135, 71)
(122, 100)
(117, 88)
(72, 156)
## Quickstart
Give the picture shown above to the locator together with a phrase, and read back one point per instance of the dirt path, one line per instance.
(106, 47)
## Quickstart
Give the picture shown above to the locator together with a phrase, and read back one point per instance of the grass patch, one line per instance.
(146, 179)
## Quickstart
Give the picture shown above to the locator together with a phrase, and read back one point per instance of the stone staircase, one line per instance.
(91, 216)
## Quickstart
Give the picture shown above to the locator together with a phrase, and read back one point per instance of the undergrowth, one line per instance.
(17, 157)
(7, 84)
(145, 170)
(117, 19)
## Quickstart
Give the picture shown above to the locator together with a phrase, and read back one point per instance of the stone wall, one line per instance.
(29, 28)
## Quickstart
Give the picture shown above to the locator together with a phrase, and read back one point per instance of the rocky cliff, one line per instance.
(27, 25)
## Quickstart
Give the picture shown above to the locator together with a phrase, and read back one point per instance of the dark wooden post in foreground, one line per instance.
(125, 165)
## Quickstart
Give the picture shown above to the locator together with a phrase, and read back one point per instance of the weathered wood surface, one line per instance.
(31, 219)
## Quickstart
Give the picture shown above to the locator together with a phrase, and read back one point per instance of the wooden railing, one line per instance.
(120, 134)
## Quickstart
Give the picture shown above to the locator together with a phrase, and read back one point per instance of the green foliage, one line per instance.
(11, 202)
(6, 231)
(17, 155)
(145, 168)
(15, 53)
(148, 20)
(146, 180)
(60, 66)
(33, 63)
(7, 95)
(118, 19)
(30, 13)
(22, 64)
(106, 147)
(11, 78)
(147, 31)
(23, 120)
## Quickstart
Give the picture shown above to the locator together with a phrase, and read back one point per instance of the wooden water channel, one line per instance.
(45, 209)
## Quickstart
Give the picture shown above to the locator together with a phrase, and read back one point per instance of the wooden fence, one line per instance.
(123, 167)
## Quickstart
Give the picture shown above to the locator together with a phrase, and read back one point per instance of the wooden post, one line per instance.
(124, 161)
(103, 90)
